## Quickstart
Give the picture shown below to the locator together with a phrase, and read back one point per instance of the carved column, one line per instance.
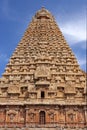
(18, 115)
(26, 118)
(65, 115)
(85, 115)
(5, 117)
(24, 110)
(57, 117)
(6, 109)
(2, 116)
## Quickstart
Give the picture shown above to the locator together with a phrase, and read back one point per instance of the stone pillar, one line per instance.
(2, 117)
(85, 115)
(6, 109)
(24, 110)
(65, 109)
(5, 117)
(26, 119)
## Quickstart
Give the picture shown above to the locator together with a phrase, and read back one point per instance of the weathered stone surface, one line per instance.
(43, 86)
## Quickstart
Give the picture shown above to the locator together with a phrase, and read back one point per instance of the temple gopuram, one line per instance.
(43, 86)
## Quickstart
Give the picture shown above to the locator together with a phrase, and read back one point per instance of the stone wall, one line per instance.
(43, 115)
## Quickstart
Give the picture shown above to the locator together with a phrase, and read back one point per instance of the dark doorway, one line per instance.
(42, 94)
(42, 117)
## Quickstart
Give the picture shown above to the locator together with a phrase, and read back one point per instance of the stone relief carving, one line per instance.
(11, 114)
(51, 115)
(42, 71)
(71, 117)
(12, 117)
(31, 116)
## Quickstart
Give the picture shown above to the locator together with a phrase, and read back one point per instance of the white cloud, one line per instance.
(77, 29)
(82, 61)
(74, 30)
(73, 41)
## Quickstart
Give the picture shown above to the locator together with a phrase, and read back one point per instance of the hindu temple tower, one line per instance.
(43, 87)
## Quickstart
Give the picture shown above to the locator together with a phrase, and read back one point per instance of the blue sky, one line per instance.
(15, 15)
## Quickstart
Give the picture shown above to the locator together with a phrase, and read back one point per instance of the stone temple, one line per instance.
(43, 87)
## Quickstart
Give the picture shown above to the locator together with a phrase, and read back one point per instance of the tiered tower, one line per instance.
(43, 85)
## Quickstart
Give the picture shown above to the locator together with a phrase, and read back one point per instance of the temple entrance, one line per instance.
(42, 119)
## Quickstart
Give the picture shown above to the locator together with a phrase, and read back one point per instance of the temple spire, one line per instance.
(43, 83)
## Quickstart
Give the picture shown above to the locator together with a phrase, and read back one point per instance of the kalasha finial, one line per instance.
(43, 7)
